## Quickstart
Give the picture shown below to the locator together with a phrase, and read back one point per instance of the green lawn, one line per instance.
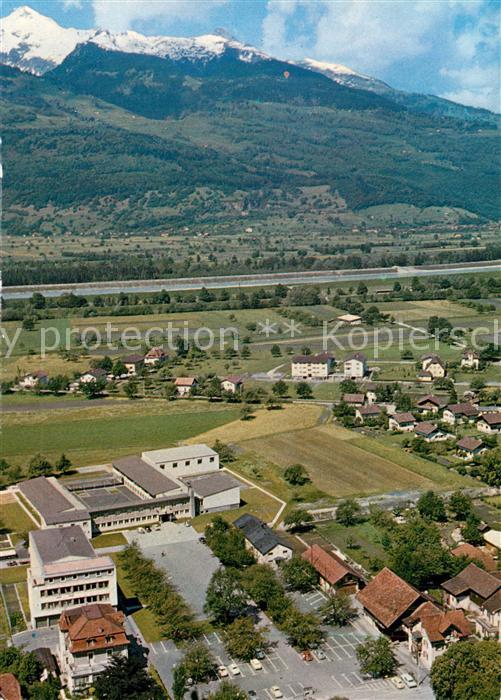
(14, 519)
(144, 618)
(108, 539)
(365, 535)
(13, 574)
(97, 436)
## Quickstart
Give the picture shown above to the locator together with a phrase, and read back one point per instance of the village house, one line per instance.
(477, 554)
(354, 399)
(469, 447)
(430, 432)
(403, 422)
(185, 385)
(430, 631)
(350, 319)
(133, 364)
(65, 571)
(433, 365)
(424, 376)
(355, 366)
(367, 412)
(431, 403)
(334, 574)
(470, 359)
(92, 376)
(90, 636)
(388, 599)
(10, 688)
(492, 540)
(35, 379)
(233, 384)
(312, 366)
(370, 392)
(459, 413)
(262, 541)
(489, 423)
(154, 357)
(478, 592)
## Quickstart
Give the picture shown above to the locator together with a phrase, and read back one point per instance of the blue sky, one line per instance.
(444, 47)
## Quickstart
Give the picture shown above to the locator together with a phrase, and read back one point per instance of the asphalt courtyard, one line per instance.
(189, 564)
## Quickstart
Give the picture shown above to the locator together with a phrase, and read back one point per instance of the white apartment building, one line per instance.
(312, 366)
(355, 366)
(64, 572)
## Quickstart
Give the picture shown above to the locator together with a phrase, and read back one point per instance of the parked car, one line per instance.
(256, 664)
(276, 692)
(260, 654)
(408, 680)
(222, 672)
(235, 671)
(397, 682)
(307, 655)
(321, 655)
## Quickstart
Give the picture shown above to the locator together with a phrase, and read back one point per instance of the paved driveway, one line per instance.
(188, 563)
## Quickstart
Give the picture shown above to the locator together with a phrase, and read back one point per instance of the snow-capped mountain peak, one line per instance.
(30, 41)
(36, 43)
(332, 68)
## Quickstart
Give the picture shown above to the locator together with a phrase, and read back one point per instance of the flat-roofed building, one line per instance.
(65, 571)
(54, 506)
(143, 479)
(214, 492)
(187, 460)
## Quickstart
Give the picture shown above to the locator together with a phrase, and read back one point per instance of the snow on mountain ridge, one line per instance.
(33, 42)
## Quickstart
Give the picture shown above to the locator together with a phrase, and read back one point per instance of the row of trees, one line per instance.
(151, 584)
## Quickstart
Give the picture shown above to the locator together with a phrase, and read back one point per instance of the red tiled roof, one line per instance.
(388, 597)
(155, 353)
(425, 428)
(462, 409)
(491, 418)
(403, 417)
(438, 623)
(132, 359)
(95, 626)
(353, 398)
(185, 381)
(469, 443)
(472, 579)
(430, 398)
(468, 550)
(9, 687)
(233, 379)
(329, 566)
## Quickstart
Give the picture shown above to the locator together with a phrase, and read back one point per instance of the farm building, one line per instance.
(334, 573)
(388, 599)
(185, 385)
(262, 541)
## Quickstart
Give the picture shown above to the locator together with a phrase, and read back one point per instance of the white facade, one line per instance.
(316, 369)
(30, 381)
(433, 366)
(278, 553)
(470, 360)
(189, 460)
(219, 501)
(66, 580)
(355, 368)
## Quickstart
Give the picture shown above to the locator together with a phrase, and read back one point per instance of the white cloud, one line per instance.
(120, 15)
(72, 4)
(453, 44)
